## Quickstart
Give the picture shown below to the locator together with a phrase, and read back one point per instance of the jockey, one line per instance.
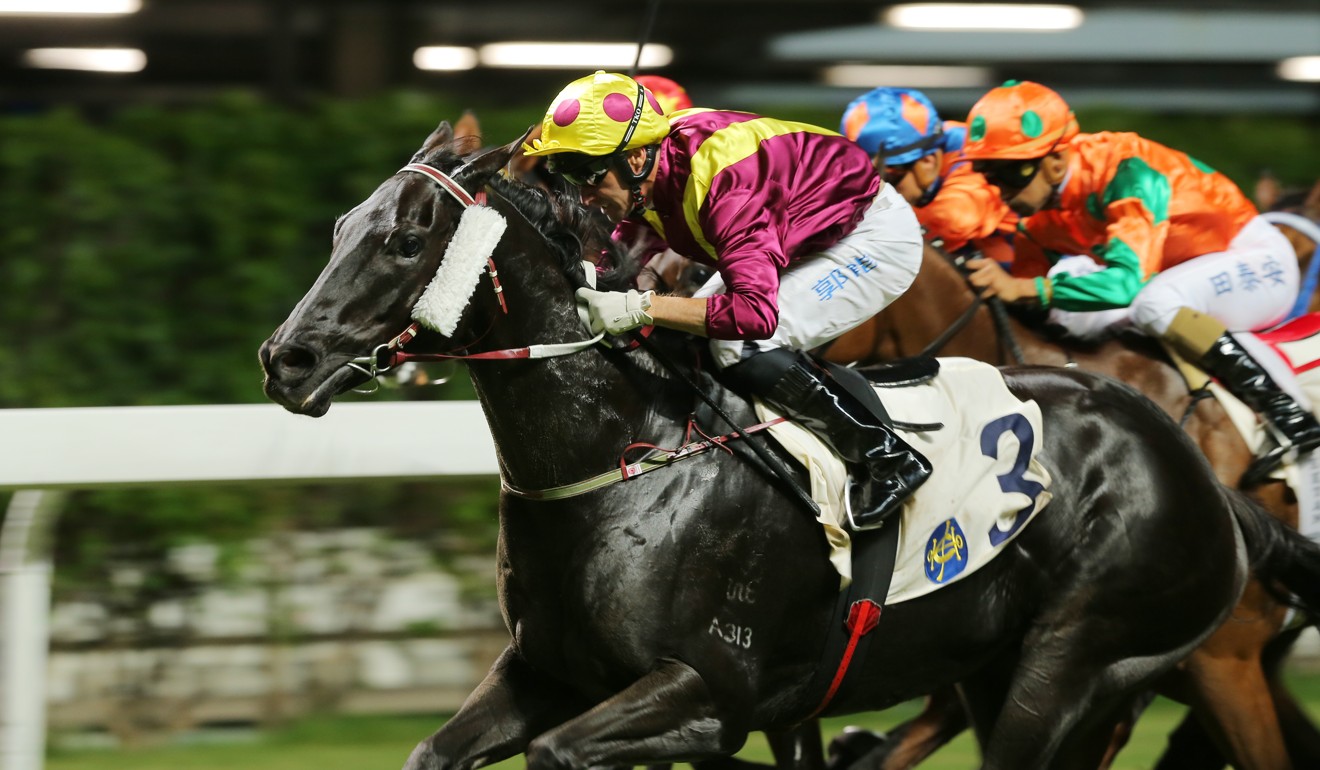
(921, 157)
(1173, 241)
(663, 269)
(806, 240)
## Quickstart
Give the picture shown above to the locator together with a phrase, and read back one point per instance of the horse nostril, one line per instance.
(287, 363)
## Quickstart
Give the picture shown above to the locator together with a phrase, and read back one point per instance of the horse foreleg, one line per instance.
(512, 705)
(794, 749)
(798, 748)
(907, 744)
(1234, 700)
(1190, 748)
(1299, 732)
(1122, 732)
(668, 715)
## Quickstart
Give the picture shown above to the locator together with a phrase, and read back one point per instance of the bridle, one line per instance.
(386, 356)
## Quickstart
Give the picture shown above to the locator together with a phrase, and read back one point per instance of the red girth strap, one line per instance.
(863, 616)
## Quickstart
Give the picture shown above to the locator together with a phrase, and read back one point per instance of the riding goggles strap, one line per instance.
(923, 144)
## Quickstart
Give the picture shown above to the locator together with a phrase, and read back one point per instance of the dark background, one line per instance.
(727, 51)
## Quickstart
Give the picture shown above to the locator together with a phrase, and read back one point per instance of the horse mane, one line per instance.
(572, 231)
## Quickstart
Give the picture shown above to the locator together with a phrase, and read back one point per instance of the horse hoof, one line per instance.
(851, 745)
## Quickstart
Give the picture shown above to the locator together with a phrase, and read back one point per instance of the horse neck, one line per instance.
(934, 303)
(554, 420)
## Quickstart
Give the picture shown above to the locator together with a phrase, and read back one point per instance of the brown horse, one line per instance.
(1223, 680)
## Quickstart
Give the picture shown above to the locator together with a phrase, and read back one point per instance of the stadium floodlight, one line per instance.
(70, 7)
(913, 76)
(984, 17)
(444, 58)
(1304, 69)
(573, 55)
(86, 59)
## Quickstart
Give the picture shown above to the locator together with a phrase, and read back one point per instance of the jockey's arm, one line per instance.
(685, 314)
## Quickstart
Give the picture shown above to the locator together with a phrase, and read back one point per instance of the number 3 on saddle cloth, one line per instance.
(986, 486)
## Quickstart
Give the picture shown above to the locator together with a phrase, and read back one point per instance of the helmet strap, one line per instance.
(621, 166)
(932, 141)
(928, 194)
(634, 180)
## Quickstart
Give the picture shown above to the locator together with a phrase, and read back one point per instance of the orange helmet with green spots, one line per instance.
(1018, 120)
(599, 115)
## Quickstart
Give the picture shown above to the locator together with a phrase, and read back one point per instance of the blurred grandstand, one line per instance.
(1198, 55)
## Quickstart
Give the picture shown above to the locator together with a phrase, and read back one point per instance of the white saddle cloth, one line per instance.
(986, 487)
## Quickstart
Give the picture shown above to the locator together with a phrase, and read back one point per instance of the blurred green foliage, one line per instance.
(143, 259)
(145, 256)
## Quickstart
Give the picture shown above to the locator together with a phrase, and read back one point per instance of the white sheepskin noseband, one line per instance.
(450, 291)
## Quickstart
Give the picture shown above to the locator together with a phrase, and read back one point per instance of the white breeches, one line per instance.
(1249, 286)
(837, 289)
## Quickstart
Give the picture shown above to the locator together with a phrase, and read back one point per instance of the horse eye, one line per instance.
(410, 246)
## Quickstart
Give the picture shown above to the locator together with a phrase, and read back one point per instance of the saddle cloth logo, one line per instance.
(946, 552)
(986, 486)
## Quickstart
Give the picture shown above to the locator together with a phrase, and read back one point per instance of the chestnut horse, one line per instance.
(1223, 680)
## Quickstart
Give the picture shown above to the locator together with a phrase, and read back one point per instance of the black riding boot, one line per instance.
(1244, 377)
(888, 469)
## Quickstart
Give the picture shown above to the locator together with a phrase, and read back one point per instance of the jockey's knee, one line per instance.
(1152, 314)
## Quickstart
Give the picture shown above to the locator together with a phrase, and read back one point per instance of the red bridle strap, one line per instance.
(445, 181)
(391, 354)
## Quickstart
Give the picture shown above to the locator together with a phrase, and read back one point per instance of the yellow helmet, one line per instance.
(600, 114)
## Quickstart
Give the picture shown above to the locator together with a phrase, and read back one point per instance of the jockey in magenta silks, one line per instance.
(1174, 247)
(806, 239)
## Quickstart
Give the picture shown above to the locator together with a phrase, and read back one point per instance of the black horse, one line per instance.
(629, 647)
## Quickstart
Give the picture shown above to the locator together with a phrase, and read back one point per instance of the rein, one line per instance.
(997, 312)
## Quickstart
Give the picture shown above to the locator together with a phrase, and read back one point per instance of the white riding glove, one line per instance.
(615, 312)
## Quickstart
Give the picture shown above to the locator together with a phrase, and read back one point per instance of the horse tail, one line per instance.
(1285, 561)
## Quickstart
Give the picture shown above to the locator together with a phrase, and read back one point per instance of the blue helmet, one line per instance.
(955, 135)
(901, 121)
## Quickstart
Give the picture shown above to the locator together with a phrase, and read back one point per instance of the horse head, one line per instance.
(384, 253)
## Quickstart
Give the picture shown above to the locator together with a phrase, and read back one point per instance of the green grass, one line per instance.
(358, 743)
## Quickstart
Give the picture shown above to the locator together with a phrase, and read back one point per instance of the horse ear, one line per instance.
(1311, 206)
(441, 136)
(1267, 192)
(521, 164)
(467, 125)
(491, 161)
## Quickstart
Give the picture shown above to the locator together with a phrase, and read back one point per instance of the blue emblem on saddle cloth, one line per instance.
(946, 552)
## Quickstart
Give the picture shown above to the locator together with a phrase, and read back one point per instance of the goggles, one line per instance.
(895, 174)
(1013, 174)
(578, 169)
